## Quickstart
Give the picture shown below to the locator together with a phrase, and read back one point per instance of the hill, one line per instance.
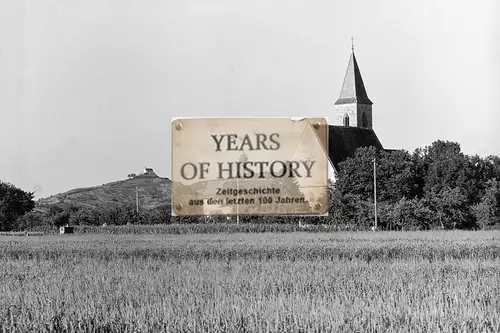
(153, 191)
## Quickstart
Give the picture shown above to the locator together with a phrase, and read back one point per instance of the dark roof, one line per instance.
(344, 140)
(353, 89)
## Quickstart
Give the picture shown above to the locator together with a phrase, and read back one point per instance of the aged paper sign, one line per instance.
(249, 166)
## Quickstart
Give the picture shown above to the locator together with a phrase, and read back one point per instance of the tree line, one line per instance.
(437, 186)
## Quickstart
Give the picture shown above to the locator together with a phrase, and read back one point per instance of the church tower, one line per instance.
(353, 108)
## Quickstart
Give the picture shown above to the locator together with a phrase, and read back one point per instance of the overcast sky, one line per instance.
(88, 88)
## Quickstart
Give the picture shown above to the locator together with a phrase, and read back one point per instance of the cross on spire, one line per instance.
(352, 44)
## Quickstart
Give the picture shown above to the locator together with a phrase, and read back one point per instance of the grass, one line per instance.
(269, 282)
(21, 233)
(195, 228)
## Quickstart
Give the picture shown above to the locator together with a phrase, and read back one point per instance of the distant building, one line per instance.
(66, 230)
(149, 172)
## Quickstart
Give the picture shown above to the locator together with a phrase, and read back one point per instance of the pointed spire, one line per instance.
(353, 88)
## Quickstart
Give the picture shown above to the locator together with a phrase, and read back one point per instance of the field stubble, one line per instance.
(296, 282)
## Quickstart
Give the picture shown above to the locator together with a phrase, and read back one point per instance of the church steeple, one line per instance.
(353, 89)
(353, 107)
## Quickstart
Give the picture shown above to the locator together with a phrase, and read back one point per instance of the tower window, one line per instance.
(346, 120)
(365, 120)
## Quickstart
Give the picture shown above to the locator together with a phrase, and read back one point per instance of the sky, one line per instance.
(88, 88)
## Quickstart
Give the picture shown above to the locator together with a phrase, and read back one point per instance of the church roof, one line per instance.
(353, 89)
(344, 140)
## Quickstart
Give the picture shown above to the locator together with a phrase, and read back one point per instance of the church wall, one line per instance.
(368, 110)
(351, 111)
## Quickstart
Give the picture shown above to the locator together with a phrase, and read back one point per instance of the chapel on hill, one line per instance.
(352, 126)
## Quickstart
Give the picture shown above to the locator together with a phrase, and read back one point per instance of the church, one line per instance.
(352, 125)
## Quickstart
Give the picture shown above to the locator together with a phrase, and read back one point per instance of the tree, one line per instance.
(131, 175)
(419, 171)
(437, 185)
(83, 216)
(356, 174)
(58, 216)
(450, 208)
(14, 203)
(487, 212)
(408, 214)
(155, 216)
(445, 166)
(395, 178)
(31, 220)
(494, 166)
(478, 171)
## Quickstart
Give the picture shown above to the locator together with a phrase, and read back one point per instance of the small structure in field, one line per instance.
(66, 230)
(149, 172)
